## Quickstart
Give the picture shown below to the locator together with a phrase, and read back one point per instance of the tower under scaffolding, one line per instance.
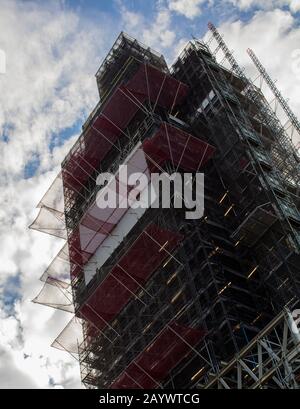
(158, 300)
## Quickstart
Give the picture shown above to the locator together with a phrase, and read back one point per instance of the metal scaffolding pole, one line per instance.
(277, 94)
(270, 360)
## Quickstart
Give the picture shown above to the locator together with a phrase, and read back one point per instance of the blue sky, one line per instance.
(53, 51)
(91, 9)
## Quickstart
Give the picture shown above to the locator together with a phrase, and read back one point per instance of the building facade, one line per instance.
(165, 301)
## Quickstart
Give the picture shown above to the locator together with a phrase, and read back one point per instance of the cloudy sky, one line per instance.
(53, 50)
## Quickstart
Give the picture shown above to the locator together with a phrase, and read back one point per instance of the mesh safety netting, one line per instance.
(51, 218)
(59, 268)
(54, 197)
(70, 338)
(50, 221)
(56, 295)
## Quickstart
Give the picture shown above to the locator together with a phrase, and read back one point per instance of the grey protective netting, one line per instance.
(70, 338)
(59, 268)
(56, 295)
(54, 197)
(51, 218)
(50, 221)
(56, 291)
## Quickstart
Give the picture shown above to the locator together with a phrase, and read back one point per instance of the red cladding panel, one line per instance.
(132, 270)
(97, 223)
(162, 90)
(119, 110)
(181, 148)
(166, 351)
(99, 138)
(95, 143)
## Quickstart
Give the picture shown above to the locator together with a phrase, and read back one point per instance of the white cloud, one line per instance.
(27, 330)
(159, 34)
(156, 32)
(294, 5)
(25, 362)
(131, 19)
(188, 8)
(49, 86)
(193, 8)
(50, 63)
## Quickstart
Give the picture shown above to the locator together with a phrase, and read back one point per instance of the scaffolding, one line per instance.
(283, 151)
(121, 54)
(254, 157)
(164, 301)
(269, 361)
